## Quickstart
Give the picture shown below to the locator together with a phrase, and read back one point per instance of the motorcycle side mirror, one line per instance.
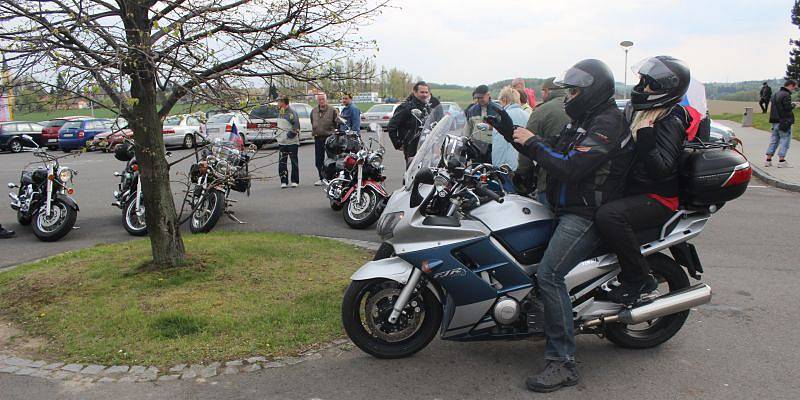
(12, 185)
(169, 154)
(117, 173)
(483, 127)
(424, 175)
(30, 140)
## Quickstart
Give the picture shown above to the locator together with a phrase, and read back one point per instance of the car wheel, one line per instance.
(15, 145)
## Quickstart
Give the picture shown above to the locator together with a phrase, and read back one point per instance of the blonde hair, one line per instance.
(509, 95)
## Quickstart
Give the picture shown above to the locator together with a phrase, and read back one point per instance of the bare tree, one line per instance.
(182, 47)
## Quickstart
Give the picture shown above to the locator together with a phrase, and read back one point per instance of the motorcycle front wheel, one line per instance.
(365, 315)
(207, 212)
(50, 228)
(362, 214)
(133, 220)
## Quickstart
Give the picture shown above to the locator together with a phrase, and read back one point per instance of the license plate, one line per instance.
(374, 117)
(67, 135)
(52, 140)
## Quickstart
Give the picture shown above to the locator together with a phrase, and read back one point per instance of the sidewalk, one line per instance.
(755, 143)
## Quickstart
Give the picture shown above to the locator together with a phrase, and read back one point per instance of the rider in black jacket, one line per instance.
(659, 130)
(585, 169)
(403, 128)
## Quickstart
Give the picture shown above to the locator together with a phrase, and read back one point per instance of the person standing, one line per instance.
(503, 152)
(547, 121)
(323, 124)
(288, 143)
(766, 95)
(519, 83)
(351, 114)
(523, 101)
(403, 128)
(6, 233)
(781, 116)
(586, 167)
(483, 107)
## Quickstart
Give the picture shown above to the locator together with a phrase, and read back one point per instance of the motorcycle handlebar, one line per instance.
(481, 190)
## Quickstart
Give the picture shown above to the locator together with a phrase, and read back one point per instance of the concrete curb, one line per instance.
(760, 173)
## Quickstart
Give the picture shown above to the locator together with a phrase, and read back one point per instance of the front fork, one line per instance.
(358, 184)
(138, 193)
(49, 196)
(405, 295)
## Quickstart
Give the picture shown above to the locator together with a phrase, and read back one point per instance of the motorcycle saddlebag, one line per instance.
(712, 175)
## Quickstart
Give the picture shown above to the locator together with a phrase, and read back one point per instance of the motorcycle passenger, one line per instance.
(403, 127)
(483, 107)
(585, 169)
(658, 130)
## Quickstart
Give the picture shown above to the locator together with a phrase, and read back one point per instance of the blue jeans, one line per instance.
(574, 240)
(779, 137)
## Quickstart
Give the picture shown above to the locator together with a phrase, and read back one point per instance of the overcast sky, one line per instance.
(470, 42)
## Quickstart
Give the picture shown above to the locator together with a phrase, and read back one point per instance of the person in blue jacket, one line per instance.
(350, 113)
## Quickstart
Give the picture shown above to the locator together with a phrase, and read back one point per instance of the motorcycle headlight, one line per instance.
(222, 166)
(65, 175)
(376, 161)
(387, 222)
(440, 183)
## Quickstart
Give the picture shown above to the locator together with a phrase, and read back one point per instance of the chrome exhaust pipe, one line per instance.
(668, 304)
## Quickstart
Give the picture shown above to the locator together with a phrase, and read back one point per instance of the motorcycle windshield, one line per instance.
(436, 127)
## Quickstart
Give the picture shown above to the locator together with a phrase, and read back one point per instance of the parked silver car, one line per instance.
(380, 114)
(263, 124)
(181, 130)
(221, 125)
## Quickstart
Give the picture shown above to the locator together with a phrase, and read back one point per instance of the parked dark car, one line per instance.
(75, 134)
(11, 132)
(50, 130)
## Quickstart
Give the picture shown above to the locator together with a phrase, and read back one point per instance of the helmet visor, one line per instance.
(658, 73)
(574, 77)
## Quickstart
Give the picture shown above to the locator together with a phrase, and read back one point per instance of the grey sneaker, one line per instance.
(767, 163)
(784, 164)
(294, 184)
(554, 376)
(284, 186)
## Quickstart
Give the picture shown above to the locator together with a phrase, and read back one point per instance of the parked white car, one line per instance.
(221, 125)
(263, 124)
(380, 114)
(181, 130)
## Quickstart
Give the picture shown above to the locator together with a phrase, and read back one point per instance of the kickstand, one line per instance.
(233, 217)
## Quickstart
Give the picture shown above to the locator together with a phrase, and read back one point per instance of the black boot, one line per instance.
(555, 375)
(5, 233)
(630, 292)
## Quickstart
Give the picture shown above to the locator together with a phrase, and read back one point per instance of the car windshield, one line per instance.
(72, 125)
(437, 126)
(221, 119)
(56, 123)
(265, 112)
(172, 121)
(381, 108)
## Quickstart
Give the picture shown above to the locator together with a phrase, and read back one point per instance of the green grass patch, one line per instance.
(239, 294)
(760, 121)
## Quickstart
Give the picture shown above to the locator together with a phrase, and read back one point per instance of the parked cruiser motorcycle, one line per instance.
(221, 167)
(129, 196)
(43, 197)
(459, 257)
(358, 189)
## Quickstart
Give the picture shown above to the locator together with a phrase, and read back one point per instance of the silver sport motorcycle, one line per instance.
(460, 258)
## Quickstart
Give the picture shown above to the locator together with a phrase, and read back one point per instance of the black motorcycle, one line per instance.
(43, 199)
(129, 196)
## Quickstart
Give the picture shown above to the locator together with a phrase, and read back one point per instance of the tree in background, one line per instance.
(793, 68)
(201, 48)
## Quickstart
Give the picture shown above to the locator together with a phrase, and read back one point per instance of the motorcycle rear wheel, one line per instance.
(205, 216)
(653, 333)
(365, 310)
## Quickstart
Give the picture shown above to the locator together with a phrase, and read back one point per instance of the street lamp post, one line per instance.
(626, 45)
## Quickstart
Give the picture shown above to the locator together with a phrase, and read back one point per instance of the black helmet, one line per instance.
(668, 79)
(596, 84)
(123, 152)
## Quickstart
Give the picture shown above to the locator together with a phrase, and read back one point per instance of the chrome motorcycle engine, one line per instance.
(506, 311)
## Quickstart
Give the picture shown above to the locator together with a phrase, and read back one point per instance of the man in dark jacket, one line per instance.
(324, 121)
(585, 169)
(766, 94)
(782, 118)
(403, 128)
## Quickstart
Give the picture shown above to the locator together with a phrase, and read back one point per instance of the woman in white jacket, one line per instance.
(502, 151)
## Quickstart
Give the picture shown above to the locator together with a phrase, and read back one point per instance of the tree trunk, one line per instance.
(162, 222)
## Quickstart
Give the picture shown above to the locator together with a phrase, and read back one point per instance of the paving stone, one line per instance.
(61, 375)
(149, 375)
(312, 356)
(9, 369)
(292, 360)
(93, 369)
(234, 363)
(137, 370)
(230, 370)
(208, 372)
(53, 366)
(178, 368)
(251, 368)
(4, 357)
(274, 364)
(340, 341)
(18, 362)
(41, 373)
(38, 364)
(164, 378)
(257, 359)
(87, 379)
(117, 369)
(72, 367)
(215, 364)
(128, 378)
(106, 379)
(25, 371)
(190, 374)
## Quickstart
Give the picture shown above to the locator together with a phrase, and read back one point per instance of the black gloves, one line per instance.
(502, 123)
